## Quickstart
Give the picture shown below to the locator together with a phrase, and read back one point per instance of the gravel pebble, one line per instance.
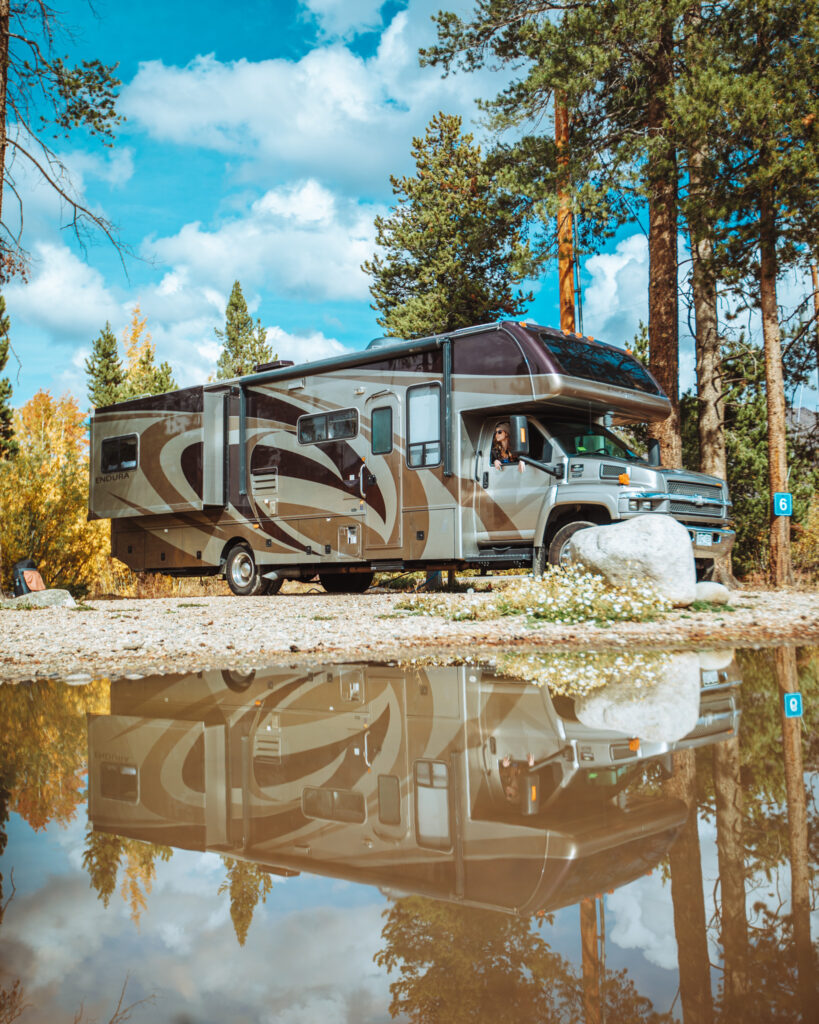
(120, 637)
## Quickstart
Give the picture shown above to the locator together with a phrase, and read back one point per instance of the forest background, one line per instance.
(694, 122)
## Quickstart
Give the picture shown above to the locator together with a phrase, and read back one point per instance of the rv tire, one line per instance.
(346, 582)
(559, 547)
(242, 573)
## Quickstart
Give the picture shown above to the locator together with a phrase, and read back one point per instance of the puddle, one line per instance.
(562, 837)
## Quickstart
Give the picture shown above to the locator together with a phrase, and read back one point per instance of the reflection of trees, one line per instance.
(247, 883)
(752, 795)
(687, 897)
(731, 856)
(788, 682)
(458, 964)
(103, 857)
(45, 746)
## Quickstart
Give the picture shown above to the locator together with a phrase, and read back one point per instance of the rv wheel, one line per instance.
(271, 587)
(345, 582)
(242, 573)
(559, 548)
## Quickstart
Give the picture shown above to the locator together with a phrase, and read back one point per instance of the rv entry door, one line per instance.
(508, 501)
(381, 477)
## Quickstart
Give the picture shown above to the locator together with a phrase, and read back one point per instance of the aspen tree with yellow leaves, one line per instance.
(142, 375)
(44, 497)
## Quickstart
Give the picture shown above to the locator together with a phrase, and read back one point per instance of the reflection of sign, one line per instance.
(793, 705)
(783, 503)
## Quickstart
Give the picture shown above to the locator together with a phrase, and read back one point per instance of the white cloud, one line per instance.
(64, 296)
(303, 348)
(299, 240)
(332, 115)
(617, 298)
(344, 18)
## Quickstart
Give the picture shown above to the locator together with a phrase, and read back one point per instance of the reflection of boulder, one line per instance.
(650, 547)
(661, 711)
(716, 660)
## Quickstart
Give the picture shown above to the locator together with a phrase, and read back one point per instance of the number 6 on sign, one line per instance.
(783, 503)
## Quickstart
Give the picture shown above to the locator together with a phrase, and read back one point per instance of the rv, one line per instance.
(382, 461)
(447, 781)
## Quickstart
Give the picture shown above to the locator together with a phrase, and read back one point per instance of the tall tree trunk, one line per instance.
(781, 571)
(788, 680)
(565, 240)
(687, 897)
(4, 70)
(731, 854)
(663, 325)
(591, 961)
(814, 273)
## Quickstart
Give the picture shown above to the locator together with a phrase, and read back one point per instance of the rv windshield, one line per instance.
(578, 438)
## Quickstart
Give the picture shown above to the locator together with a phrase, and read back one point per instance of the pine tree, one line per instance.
(142, 375)
(612, 63)
(243, 345)
(8, 445)
(104, 370)
(453, 244)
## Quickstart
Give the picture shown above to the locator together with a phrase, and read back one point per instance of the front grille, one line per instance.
(688, 491)
(693, 488)
(685, 508)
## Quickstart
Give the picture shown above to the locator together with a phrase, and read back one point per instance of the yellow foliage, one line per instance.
(806, 547)
(44, 740)
(44, 497)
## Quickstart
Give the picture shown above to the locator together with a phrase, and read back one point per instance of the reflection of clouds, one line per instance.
(305, 964)
(644, 920)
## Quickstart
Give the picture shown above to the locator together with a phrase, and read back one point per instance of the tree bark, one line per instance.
(814, 273)
(663, 325)
(4, 70)
(687, 898)
(565, 238)
(731, 855)
(788, 680)
(780, 570)
(591, 961)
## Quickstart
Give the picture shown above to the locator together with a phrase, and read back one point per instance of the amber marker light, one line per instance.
(534, 793)
(634, 745)
(623, 479)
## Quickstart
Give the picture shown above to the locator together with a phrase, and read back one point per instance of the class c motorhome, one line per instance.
(381, 460)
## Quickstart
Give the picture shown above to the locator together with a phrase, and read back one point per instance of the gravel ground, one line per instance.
(120, 637)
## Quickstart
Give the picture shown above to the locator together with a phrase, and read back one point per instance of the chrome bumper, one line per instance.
(722, 540)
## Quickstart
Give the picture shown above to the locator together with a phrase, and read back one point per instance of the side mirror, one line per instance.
(518, 435)
(653, 451)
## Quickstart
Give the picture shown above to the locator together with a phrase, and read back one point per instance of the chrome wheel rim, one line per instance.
(241, 570)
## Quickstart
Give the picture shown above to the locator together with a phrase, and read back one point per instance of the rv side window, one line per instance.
(119, 453)
(424, 425)
(328, 426)
(119, 782)
(382, 431)
(389, 800)
(333, 804)
(432, 805)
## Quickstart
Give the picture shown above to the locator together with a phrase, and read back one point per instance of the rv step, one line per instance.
(387, 566)
(522, 556)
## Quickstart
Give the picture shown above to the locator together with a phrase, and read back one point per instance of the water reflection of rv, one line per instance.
(446, 781)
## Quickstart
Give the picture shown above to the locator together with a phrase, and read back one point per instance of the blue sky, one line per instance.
(257, 147)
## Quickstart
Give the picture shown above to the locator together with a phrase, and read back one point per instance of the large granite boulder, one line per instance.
(41, 599)
(649, 547)
(662, 711)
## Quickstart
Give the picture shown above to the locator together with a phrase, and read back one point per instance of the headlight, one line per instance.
(633, 506)
(646, 505)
